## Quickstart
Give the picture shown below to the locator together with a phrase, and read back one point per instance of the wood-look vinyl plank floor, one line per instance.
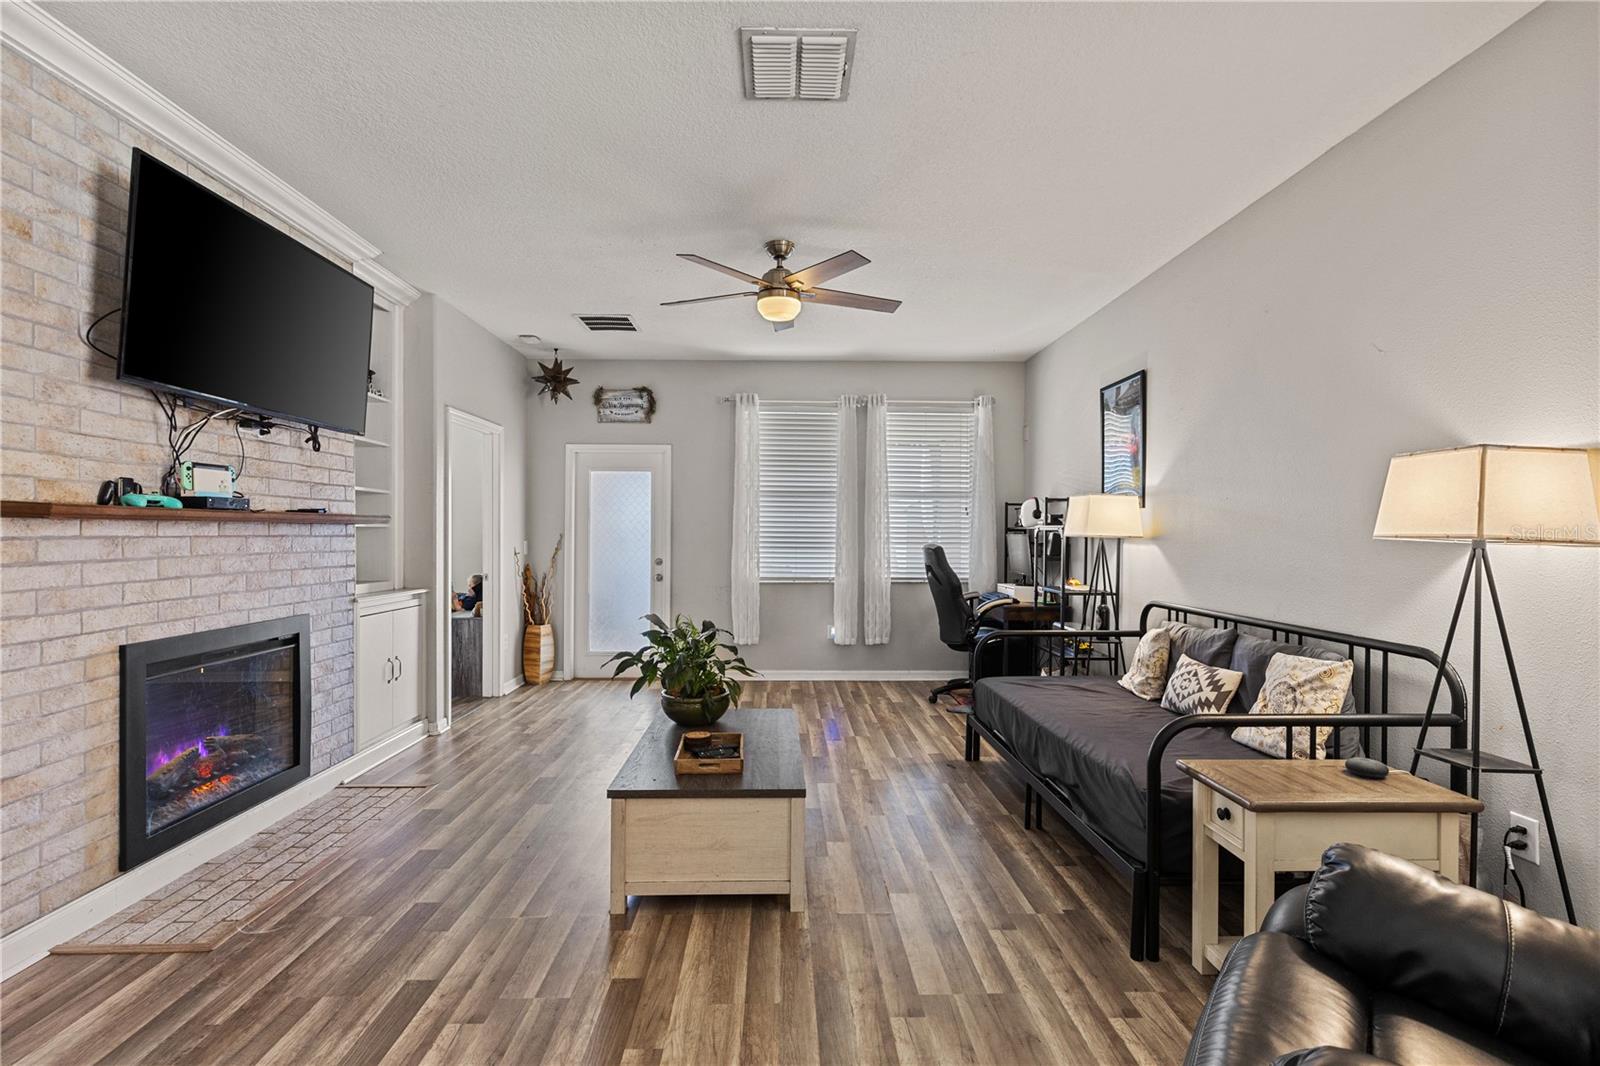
(473, 927)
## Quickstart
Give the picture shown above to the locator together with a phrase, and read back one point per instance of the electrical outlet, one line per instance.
(1532, 826)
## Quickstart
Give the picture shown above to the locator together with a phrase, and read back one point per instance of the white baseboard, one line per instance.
(855, 675)
(511, 684)
(829, 675)
(32, 942)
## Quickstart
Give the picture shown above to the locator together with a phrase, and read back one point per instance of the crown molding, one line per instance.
(43, 39)
(389, 285)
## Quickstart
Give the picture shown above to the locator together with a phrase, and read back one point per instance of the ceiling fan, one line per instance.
(780, 294)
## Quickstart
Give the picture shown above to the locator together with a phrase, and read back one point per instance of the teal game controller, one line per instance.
(147, 499)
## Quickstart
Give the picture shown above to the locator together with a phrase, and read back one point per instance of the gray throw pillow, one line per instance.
(1203, 644)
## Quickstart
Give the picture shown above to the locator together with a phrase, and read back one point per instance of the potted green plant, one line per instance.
(693, 666)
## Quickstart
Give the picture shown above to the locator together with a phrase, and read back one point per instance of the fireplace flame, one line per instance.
(166, 755)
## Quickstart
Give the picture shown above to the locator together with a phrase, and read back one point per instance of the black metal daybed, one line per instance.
(1089, 748)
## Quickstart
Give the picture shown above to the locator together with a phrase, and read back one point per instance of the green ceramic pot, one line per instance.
(695, 713)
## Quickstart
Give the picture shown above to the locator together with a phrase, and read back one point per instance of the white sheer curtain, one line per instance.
(875, 524)
(847, 529)
(746, 518)
(984, 544)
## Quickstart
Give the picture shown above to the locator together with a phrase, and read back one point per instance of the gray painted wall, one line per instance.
(452, 361)
(794, 617)
(1430, 281)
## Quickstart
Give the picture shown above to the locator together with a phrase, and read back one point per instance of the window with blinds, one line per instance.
(930, 485)
(799, 475)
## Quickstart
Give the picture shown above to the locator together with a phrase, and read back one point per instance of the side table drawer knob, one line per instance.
(1223, 814)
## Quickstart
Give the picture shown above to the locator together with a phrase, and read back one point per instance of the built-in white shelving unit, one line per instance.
(377, 456)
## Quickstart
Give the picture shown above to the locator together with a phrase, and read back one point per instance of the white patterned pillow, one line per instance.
(1149, 666)
(1195, 688)
(1296, 684)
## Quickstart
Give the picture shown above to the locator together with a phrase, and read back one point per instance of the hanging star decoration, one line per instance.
(555, 379)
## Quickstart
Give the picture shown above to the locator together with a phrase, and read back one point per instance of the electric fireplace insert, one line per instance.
(212, 724)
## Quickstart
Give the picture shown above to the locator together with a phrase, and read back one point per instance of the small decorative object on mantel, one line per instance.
(693, 666)
(539, 638)
(637, 404)
(1122, 428)
(702, 752)
(555, 379)
(372, 385)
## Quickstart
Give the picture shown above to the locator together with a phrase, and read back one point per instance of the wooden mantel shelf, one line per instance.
(42, 509)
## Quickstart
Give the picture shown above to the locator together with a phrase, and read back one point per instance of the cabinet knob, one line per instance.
(1223, 814)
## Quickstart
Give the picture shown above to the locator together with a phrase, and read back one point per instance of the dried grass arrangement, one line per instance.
(537, 589)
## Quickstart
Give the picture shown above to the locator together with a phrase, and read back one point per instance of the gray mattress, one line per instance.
(1089, 738)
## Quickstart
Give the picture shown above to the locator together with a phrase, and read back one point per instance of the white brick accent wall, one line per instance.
(72, 592)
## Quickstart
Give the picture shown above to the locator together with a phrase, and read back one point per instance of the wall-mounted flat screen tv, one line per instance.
(219, 306)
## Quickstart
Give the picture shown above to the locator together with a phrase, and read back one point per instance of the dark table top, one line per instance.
(772, 763)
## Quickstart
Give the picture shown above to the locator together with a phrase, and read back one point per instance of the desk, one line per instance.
(1281, 814)
(1019, 616)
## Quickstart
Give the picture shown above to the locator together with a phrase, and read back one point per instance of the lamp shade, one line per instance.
(1103, 516)
(1507, 494)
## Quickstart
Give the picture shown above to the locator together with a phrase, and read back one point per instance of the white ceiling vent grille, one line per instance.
(822, 67)
(608, 323)
(797, 64)
(774, 66)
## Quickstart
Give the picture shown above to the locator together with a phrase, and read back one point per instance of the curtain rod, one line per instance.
(917, 403)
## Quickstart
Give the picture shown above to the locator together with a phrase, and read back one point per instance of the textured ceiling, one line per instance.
(1009, 168)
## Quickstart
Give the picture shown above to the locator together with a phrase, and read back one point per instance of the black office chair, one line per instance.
(960, 613)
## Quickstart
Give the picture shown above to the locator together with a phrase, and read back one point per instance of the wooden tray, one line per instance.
(685, 763)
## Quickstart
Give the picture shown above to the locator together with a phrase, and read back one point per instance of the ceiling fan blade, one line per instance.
(708, 299)
(828, 269)
(779, 327)
(728, 270)
(854, 299)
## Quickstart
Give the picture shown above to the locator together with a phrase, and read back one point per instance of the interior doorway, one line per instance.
(476, 577)
(619, 523)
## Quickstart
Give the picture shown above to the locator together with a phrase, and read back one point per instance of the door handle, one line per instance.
(399, 668)
(659, 577)
(388, 674)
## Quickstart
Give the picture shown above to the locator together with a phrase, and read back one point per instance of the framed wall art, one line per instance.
(1122, 437)
(637, 404)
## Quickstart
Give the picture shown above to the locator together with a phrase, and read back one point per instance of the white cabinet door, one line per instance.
(407, 686)
(374, 677)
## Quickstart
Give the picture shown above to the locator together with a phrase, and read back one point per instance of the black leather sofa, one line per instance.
(1106, 761)
(1377, 960)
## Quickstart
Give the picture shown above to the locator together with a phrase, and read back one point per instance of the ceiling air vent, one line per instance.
(608, 323)
(797, 64)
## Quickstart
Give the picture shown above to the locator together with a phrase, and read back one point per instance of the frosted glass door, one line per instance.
(619, 557)
(621, 521)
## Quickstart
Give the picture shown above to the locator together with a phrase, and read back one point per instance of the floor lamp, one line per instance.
(1505, 495)
(1102, 518)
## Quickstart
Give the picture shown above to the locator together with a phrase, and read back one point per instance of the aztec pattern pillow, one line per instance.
(1195, 688)
(1148, 670)
(1296, 684)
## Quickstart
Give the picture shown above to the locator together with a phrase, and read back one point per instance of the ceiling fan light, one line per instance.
(778, 305)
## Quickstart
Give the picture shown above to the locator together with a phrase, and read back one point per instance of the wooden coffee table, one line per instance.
(1281, 814)
(704, 834)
